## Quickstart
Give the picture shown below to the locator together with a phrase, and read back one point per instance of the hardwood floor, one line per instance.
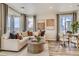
(52, 48)
(56, 49)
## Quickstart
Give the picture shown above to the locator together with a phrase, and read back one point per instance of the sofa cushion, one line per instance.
(18, 36)
(24, 39)
(24, 34)
(12, 36)
(37, 33)
(4, 36)
(30, 33)
(42, 33)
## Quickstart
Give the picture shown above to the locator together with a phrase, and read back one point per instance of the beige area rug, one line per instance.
(24, 52)
(56, 49)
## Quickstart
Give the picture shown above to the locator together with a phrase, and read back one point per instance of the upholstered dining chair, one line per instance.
(69, 37)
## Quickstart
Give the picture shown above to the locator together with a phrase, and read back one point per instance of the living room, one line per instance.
(21, 22)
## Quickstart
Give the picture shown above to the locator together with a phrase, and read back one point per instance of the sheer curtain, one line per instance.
(13, 24)
(30, 23)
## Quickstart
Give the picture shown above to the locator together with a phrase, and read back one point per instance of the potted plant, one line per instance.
(75, 26)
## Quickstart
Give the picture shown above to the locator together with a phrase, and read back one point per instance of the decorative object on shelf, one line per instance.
(75, 26)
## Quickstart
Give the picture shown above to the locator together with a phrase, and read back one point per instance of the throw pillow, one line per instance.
(12, 36)
(20, 37)
(17, 36)
(42, 33)
(30, 33)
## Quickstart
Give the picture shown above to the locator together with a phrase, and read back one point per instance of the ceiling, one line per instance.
(43, 8)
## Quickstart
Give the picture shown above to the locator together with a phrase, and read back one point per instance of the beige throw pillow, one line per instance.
(24, 34)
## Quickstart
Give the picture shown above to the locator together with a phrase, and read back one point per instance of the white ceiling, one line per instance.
(43, 8)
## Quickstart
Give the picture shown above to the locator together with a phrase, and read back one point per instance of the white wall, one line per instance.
(12, 12)
(50, 34)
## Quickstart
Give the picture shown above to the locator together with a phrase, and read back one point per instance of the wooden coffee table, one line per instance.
(35, 47)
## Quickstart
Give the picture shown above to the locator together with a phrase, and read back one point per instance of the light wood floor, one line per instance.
(57, 49)
(52, 48)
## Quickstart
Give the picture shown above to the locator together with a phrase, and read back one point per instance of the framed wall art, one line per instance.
(50, 23)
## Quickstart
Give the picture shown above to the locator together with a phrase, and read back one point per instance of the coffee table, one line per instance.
(35, 47)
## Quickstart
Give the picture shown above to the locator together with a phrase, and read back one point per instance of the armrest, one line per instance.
(9, 44)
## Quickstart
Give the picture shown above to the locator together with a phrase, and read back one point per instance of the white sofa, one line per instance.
(12, 44)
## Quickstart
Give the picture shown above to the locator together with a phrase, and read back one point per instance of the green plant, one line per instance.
(38, 38)
(75, 26)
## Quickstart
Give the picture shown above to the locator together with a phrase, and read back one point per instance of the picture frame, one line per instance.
(50, 24)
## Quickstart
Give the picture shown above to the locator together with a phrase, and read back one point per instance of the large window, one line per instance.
(13, 24)
(65, 23)
(30, 23)
(16, 24)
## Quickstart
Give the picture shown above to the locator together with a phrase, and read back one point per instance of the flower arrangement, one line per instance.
(38, 38)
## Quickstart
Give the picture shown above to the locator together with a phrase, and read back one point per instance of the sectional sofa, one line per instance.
(13, 44)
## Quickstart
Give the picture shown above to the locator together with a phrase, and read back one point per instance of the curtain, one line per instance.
(3, 19)
(57, 36)
(34, 22)
(12, 24)
(25, 26)
(4, 16)
(74, 16)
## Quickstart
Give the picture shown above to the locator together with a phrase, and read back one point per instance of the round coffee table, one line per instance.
(35, 47)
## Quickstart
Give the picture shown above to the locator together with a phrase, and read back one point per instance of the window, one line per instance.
(13, 24)
(65, 23)
(30, 23)
(16, 24)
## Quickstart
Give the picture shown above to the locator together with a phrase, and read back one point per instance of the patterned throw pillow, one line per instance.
(24, 34)
(30, 33)
(18, 36)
